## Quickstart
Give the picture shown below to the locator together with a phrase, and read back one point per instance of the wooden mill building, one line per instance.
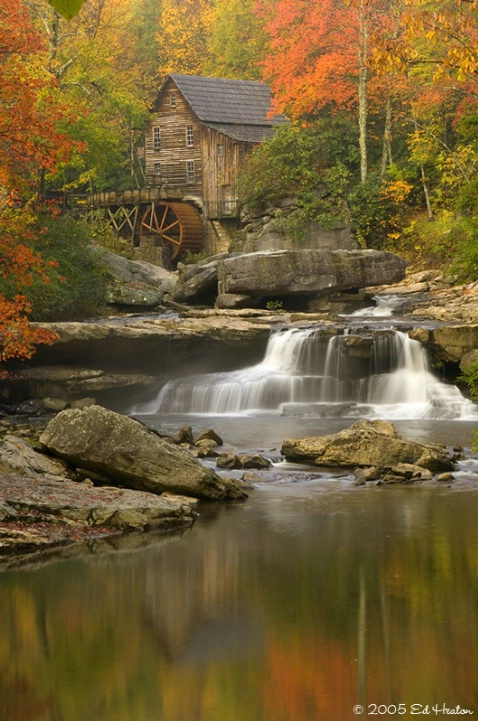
(201, 130)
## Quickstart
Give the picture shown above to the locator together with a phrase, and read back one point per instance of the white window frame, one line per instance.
(156, 138)
(189, 136)
(156, 168)
(172, 99)
(190, 172)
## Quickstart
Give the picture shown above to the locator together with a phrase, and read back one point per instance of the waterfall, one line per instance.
(309, 372)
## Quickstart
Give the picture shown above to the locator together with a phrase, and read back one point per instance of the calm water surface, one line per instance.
(310, 598)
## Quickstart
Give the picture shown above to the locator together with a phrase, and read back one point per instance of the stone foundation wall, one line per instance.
(268, 233)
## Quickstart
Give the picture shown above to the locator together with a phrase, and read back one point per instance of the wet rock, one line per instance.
(210, 435)
(124, 352)
(458, 303)
(16, 540)
(185, 435)
(418, 472)
(256, 461)
(129, 454)
(252, 478)
(40, 510)
(228, 461)
(243, 460)
(366, 443)
(363, 475)
(445, 477)
(205, 449)
(41, 506)
(29, 408)
(405, 473)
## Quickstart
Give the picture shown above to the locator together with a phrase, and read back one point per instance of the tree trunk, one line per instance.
(387, 139)
(426, 192)
(362, 89)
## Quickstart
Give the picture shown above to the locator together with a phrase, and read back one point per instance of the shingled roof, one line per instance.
(237, 108)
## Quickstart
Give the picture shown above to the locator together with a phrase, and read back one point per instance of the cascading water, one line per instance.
(308, 372)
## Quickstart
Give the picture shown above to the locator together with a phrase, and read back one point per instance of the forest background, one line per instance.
(381, 96)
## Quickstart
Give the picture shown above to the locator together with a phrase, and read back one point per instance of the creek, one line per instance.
(309, 599)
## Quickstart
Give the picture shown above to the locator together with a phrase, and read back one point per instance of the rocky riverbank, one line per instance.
(92, 473)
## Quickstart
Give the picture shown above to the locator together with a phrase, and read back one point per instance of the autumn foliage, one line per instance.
(387, 89)
(19, 266)
(30, 145)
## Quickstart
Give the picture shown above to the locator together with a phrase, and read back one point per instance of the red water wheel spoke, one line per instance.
(177, 224)
(171, 225)
(175, 239)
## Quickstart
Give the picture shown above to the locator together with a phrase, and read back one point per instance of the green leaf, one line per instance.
(67, 8)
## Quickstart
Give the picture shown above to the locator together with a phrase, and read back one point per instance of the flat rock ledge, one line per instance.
(41, 507)
(374, 445)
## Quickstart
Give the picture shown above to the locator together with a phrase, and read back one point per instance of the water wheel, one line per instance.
(176, 226)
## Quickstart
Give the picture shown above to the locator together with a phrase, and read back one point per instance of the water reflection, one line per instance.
(295, 606)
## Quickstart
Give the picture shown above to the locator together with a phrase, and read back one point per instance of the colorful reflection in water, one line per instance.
(307, 600)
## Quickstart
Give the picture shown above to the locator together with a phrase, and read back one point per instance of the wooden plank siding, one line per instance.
(174, 153)
(221, 160)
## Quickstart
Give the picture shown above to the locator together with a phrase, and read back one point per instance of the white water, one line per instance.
(385, 307)
(307, 373)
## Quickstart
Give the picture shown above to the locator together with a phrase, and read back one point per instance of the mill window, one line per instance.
(189, 136)
(190, 174)
(156, 139)
(172, 100)
(157, 169)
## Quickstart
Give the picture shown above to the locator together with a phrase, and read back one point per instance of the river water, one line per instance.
(308, 600)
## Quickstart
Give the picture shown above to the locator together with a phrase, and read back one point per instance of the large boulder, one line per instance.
(125, 451)
(367, 443)
(135, 283)
(307, 272)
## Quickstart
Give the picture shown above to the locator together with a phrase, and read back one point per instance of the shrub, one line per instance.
(77, 287)
(311, 167)
(448, 242)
